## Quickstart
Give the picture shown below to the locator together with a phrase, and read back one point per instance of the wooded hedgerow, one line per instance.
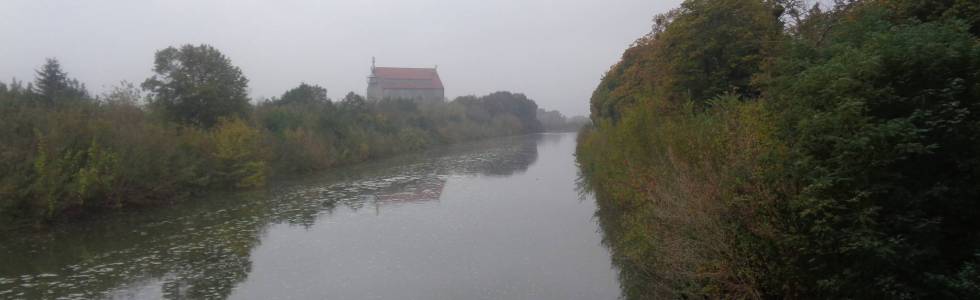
(761, 149)
(65, 153)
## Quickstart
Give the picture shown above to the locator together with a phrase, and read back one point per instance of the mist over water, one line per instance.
(496, 219)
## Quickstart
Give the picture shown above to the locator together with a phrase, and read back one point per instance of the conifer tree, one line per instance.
(53, 87)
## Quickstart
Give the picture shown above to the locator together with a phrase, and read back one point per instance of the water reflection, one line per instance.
(202, 249)
(633, 274)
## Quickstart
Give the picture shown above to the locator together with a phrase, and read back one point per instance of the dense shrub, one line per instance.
(64, 154)
(835, 158)
(885, 135)
(310, 135)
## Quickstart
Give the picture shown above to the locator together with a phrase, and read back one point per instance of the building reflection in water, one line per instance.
(202, 249)
(425, 189)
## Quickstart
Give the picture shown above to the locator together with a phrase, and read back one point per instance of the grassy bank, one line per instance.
(756, 149)
(65, 154)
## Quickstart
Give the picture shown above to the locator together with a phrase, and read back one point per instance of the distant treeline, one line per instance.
(191, 128)
(553, 120)
(766, 149)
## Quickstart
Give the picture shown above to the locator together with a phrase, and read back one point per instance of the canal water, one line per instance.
(495, 219)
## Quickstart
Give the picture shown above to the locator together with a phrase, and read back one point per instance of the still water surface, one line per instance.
(497, 219)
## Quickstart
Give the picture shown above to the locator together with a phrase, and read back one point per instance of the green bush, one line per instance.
(885, 133)
(834, 159)
(65, 154)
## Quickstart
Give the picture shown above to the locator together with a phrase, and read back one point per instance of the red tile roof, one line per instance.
(408, 78)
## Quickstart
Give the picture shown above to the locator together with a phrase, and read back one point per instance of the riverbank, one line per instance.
(746, 149)
(85, 155)
(496, 218)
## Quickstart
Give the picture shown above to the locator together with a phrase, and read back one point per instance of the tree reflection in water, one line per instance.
(201, 249)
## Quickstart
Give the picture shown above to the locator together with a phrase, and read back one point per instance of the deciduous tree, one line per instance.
(197, 85)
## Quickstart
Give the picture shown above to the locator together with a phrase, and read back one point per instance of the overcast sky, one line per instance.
(555, 51)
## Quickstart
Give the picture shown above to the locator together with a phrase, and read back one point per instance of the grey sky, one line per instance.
(552, 50)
